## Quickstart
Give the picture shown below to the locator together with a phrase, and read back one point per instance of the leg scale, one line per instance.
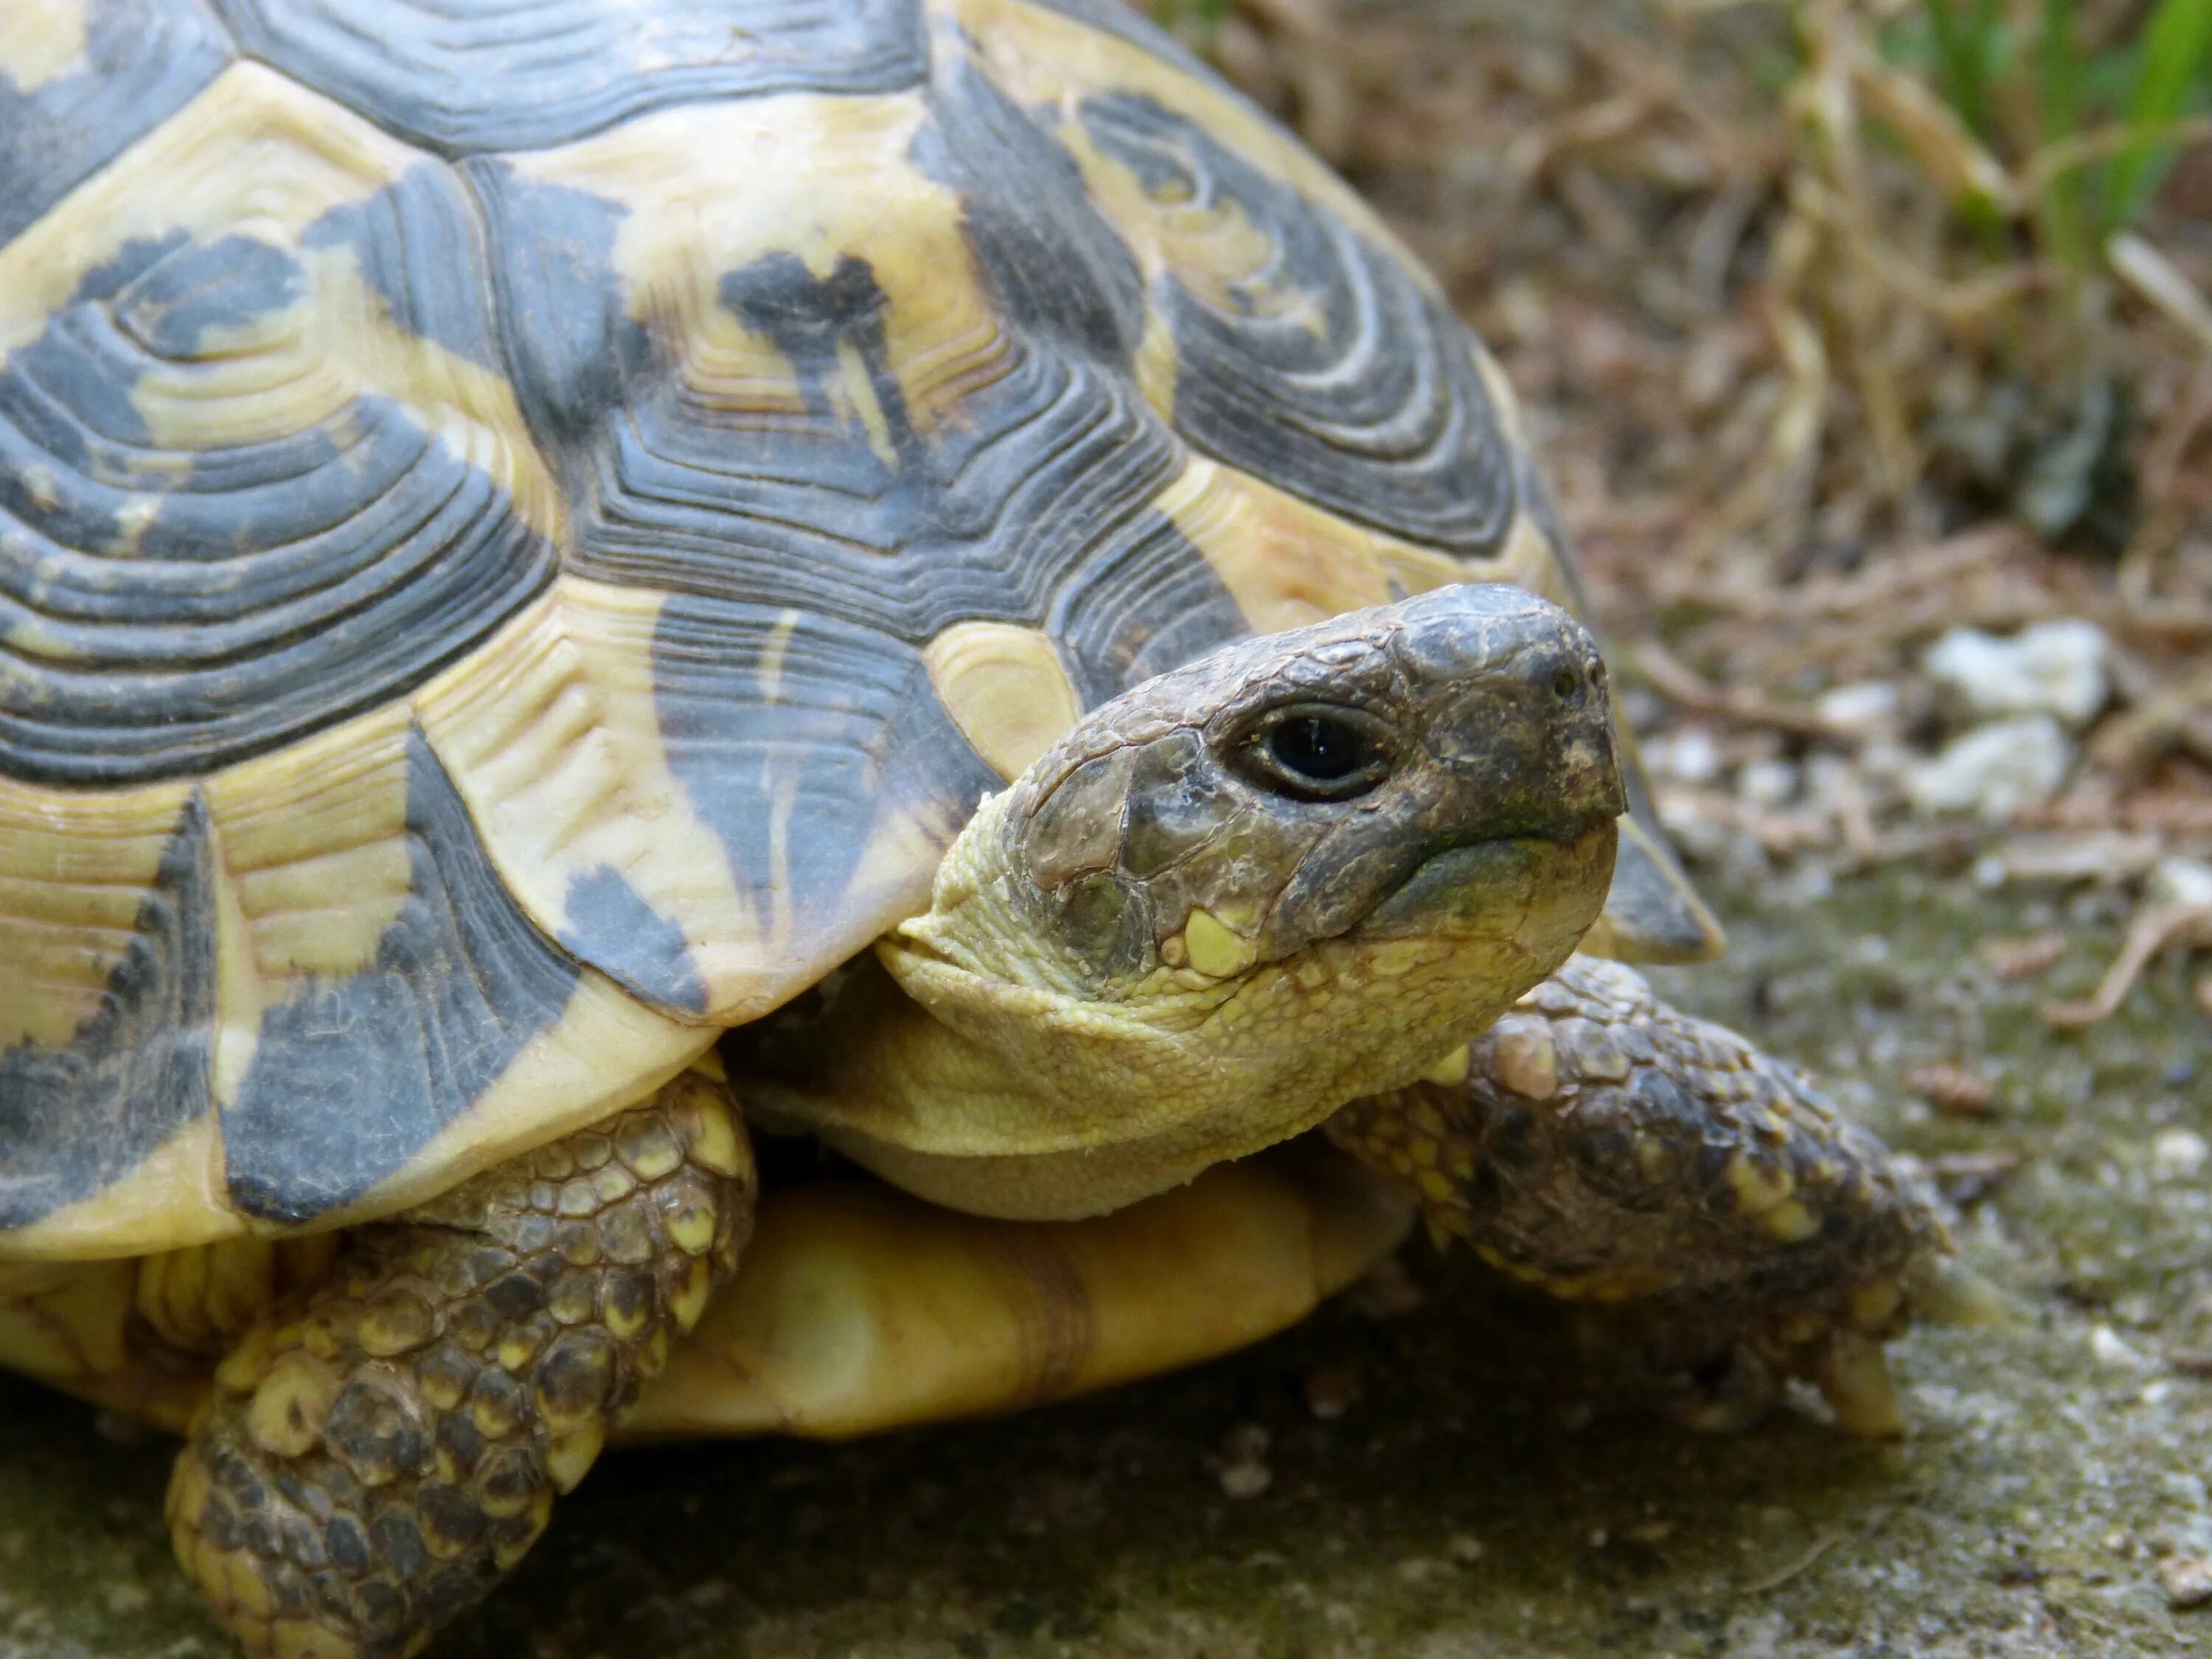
(374, 1459)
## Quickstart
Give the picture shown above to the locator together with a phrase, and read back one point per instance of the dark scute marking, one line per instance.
(142, 60)
(352, 1077)
(981, 516)
(163, 612)
(1058, 269)
(563, 321)
(854, 733)
(611, 926)
(1148, 603)
(808, 317)
(226, 284)
(420, 248)
(1379, 415)
(74, 1120)
(471, 75)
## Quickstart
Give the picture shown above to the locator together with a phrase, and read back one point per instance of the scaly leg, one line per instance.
(1703, 1204)
(372, 1465)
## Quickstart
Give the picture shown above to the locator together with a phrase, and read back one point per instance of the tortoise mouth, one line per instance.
(1513, 885)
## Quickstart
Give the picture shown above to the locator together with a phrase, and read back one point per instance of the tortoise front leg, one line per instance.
(1707, 1207)
(373, 1463)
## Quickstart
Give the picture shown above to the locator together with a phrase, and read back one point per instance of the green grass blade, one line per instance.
(2059, 72)
(1964, 41)
(2177, 50)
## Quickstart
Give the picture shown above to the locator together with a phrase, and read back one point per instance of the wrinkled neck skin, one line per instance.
(987, 1059)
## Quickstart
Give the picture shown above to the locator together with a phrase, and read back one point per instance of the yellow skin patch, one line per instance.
(260, 156)
(1005, 690)
(1213, 949)
(42, 40)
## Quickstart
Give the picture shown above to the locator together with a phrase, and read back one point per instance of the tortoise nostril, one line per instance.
(1567, 685)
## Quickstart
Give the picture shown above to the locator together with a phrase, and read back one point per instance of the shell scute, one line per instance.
(82, 79)
(465, 76)
(244, 500)
(80, 1109)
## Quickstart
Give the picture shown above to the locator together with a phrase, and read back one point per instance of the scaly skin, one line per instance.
(373, 1461)
(1704, 1205)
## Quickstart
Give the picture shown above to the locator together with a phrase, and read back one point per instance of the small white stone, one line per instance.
(2179, 881)
(1830, 783)
(1766, 784)
(2179, 1155)
(1995, 770)
(1863, 708)
(2112, 1349)
(1689, 756)
(2051, 668)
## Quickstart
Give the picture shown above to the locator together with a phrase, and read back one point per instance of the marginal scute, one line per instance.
(448, 73)
(240, 502)
(82, 79)
(350, 1077)
(78, 1114)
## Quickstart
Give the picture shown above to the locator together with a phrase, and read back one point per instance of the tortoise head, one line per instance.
(1419, 782)
(1296, 871)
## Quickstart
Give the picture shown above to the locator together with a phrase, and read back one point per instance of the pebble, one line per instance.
(1690, 756)
(2179, 881)
(2179, 1155)
(2112, 1349)
(1861, 708)
(1241, 1468)
(1766, 783)
(1995, 770)
(2187, 1581)
(2055, 668)
(1331, 1390)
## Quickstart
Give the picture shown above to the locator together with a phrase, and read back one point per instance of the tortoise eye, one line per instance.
(1319, 754)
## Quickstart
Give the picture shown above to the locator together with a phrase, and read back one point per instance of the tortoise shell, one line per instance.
(526, 528)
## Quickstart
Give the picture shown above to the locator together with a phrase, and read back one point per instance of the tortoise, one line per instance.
(584, 581)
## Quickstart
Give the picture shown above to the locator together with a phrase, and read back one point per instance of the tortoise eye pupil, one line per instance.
(1313, 746)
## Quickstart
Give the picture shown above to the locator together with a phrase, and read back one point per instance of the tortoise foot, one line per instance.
(1717, 1225)
(372, 1463)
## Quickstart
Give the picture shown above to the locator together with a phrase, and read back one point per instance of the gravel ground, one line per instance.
(1453, 1493)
